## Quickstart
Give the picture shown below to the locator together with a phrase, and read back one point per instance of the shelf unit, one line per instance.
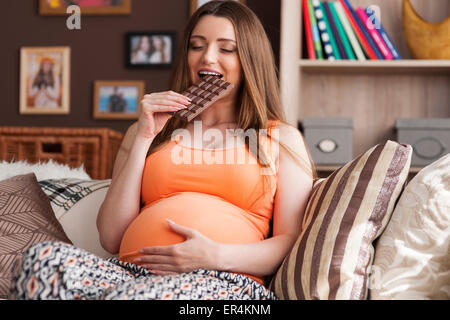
(409, 66)
(373, 93)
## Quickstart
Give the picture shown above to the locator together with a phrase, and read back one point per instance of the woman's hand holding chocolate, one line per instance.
(155, 111)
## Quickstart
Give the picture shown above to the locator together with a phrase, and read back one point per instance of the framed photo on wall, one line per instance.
(89, 7)
(120, 100)
(150, 49)
(195, 4)
(44, 80)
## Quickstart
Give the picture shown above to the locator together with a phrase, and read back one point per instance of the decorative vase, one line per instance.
(425, 40)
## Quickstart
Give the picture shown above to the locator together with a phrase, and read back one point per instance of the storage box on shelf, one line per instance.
(374, 92)
(95, 148)
(330, 140)
(430, 138)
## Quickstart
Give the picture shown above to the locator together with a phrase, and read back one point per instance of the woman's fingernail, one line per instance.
(170, 221)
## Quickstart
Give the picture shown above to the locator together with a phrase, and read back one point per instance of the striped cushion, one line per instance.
(344, 215)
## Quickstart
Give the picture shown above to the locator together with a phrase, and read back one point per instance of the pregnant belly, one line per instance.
(215, 218)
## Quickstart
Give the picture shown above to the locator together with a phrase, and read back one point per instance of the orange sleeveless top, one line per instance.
(218, 192)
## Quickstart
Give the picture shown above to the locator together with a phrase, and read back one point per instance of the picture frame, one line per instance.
(44, 80)
(118, 100)
(150, 49)
(88, 7)
(195, 4)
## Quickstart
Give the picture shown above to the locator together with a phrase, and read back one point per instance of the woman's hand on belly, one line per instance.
(196, 252)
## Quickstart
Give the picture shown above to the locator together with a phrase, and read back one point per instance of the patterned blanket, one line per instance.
(54, 270)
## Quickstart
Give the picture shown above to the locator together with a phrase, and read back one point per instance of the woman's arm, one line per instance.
(121, 204)
(259, 258)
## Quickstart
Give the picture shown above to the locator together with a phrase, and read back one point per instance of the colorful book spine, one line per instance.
(374, 34)
(348, 29)
(324, 35)
(308, 32)
(364, 44)
(315, 32)
(383, 34)
(333, 42)
(367, 35)
(342, 34)
(340, 46)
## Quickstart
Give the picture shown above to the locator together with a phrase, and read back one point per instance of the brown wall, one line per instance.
(97, 53)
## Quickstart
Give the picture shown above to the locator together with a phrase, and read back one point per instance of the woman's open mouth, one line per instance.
(203, 74)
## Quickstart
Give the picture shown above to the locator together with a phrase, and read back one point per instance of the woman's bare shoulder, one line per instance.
(293, 146)
(291, 137)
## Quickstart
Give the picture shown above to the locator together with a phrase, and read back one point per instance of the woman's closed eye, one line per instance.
(198, 48)
(228, 50)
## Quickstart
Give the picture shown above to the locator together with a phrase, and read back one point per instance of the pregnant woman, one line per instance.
(194, 211)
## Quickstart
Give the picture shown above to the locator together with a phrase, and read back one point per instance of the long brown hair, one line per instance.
(259, 96)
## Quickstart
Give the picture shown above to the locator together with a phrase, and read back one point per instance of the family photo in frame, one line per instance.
(89, 7)
(119, 100)
(150, 49)
(44, 80)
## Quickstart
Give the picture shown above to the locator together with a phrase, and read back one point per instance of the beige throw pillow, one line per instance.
(412, 258)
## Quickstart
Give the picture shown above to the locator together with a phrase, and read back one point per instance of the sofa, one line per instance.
(367, 233)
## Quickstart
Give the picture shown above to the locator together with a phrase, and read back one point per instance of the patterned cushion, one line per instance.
(26, 218)
(65, 193)
(412, 257)
(344, 214)
(76, 204)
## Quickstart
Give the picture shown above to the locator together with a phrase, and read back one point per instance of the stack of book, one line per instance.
(335, 31)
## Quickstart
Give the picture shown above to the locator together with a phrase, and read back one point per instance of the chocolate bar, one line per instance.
(202, 95)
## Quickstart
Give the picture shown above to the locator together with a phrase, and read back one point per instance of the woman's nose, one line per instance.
(210, 55)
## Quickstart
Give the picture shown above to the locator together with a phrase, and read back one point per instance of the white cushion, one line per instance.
(412, 257)
(79, 223)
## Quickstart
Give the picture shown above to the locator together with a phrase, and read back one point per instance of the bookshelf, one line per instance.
(374, 92)
(376, 66)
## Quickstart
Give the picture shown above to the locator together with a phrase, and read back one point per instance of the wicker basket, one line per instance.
(95, 148)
